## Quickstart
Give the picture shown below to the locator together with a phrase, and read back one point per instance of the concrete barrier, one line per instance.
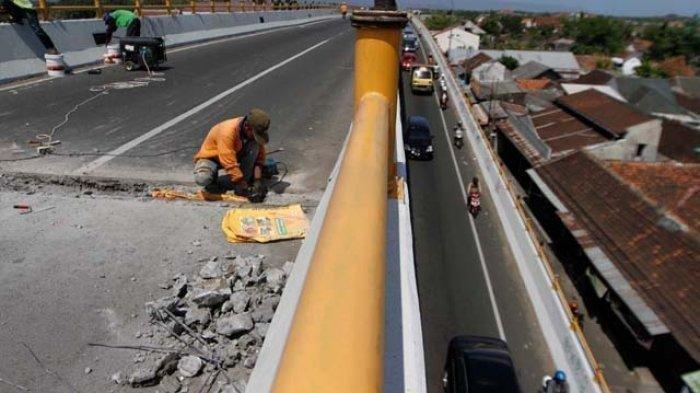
(564, 346)
(22, 54)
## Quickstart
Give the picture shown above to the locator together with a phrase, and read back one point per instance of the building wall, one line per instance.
(641, 143)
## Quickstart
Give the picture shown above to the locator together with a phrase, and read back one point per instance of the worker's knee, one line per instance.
(204, 177)
(205, 172)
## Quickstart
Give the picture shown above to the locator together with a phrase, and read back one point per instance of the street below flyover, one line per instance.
(468, 281)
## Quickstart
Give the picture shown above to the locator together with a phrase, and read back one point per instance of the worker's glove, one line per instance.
(257, 193)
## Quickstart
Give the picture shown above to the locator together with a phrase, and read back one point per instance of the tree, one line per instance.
(673, 41)
(511, 63)
(647, 70)
(440, 21)
(597, 35)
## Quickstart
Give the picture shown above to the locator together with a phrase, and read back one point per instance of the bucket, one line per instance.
(113, 55)
(55, 65)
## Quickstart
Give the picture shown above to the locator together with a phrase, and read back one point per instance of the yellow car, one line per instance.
(422, 79)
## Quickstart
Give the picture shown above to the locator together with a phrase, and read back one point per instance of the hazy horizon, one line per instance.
(614, 7)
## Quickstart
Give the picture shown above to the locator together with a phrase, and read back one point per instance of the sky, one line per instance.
(612, 7)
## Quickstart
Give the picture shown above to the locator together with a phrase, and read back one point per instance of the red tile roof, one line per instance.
(604, 111)
(679, 142)
(587, 62)
(475, 61)
(564, 133)
(532, 84)
(595, 77)
(671, 186)
(660, 261)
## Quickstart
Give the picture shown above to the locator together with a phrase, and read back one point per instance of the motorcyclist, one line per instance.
(474, 199)
(444, 98)
(556, 384)
(431, 60)
(459, 135)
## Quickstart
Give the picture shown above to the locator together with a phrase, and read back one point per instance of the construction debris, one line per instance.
(210, 330)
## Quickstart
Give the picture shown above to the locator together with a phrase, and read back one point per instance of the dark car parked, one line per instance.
(410, 44)
(479, 365)
(418, 141)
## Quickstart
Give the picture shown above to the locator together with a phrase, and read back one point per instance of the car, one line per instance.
(408, 60)
(479, 365)
(410, 44)
(422, 79)
(418, 141)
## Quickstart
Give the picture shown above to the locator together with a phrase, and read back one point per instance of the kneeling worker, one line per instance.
(238, 147)
(122, 18)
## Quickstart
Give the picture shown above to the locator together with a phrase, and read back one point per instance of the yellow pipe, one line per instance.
(377, 69)
(336, 340)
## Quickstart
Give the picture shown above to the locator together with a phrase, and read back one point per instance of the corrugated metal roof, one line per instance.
(555, 60)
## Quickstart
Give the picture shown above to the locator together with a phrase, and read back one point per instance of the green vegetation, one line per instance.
(598, 34)
(671, 41)
(647, 70)
(441, 20)
(511, 63)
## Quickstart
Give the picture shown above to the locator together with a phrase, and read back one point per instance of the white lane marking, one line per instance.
(487, 277)
(176, 50)
(91, 166)
(482, 260)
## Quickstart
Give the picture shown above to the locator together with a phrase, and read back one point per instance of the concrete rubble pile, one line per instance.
(209, 331)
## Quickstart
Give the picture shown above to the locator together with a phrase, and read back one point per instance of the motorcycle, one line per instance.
(474, 204)
(443, 101)
(458, 142)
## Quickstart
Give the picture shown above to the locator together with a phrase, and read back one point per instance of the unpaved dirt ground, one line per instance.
(81, 270)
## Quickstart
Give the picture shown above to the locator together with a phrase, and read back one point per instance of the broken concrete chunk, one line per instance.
(169, 384)
(180, 285)
(167, 303)
(143, 377)
(263, 314)
(227, 306)
(209, 298)
(239, 301)
(189, 366)
(246, 341)
(275, 278)
(212, 269)
(244, 272)
(235, 387)
(234, 324)
(167, 364)
(271, 300)
(197, 315)
(249, 362)
(87, 370)
(261, 329)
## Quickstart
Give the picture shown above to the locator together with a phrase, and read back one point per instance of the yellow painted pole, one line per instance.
(44, 8)
(98, 9)
(377, 60)
(336, 340)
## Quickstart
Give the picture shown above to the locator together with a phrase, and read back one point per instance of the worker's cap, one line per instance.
(260, 122)
(107, 17)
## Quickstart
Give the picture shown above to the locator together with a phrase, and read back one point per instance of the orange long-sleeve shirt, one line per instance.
(223, 143)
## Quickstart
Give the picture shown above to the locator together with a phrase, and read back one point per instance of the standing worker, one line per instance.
(344, 9)
(238, 147)
(122, 18)
(24, 9)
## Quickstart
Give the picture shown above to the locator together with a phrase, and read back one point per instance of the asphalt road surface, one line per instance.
(301, 75)
(468, 282)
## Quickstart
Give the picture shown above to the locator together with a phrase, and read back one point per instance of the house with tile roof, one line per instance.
(564, 63)
(622, 203)
(631, 229)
